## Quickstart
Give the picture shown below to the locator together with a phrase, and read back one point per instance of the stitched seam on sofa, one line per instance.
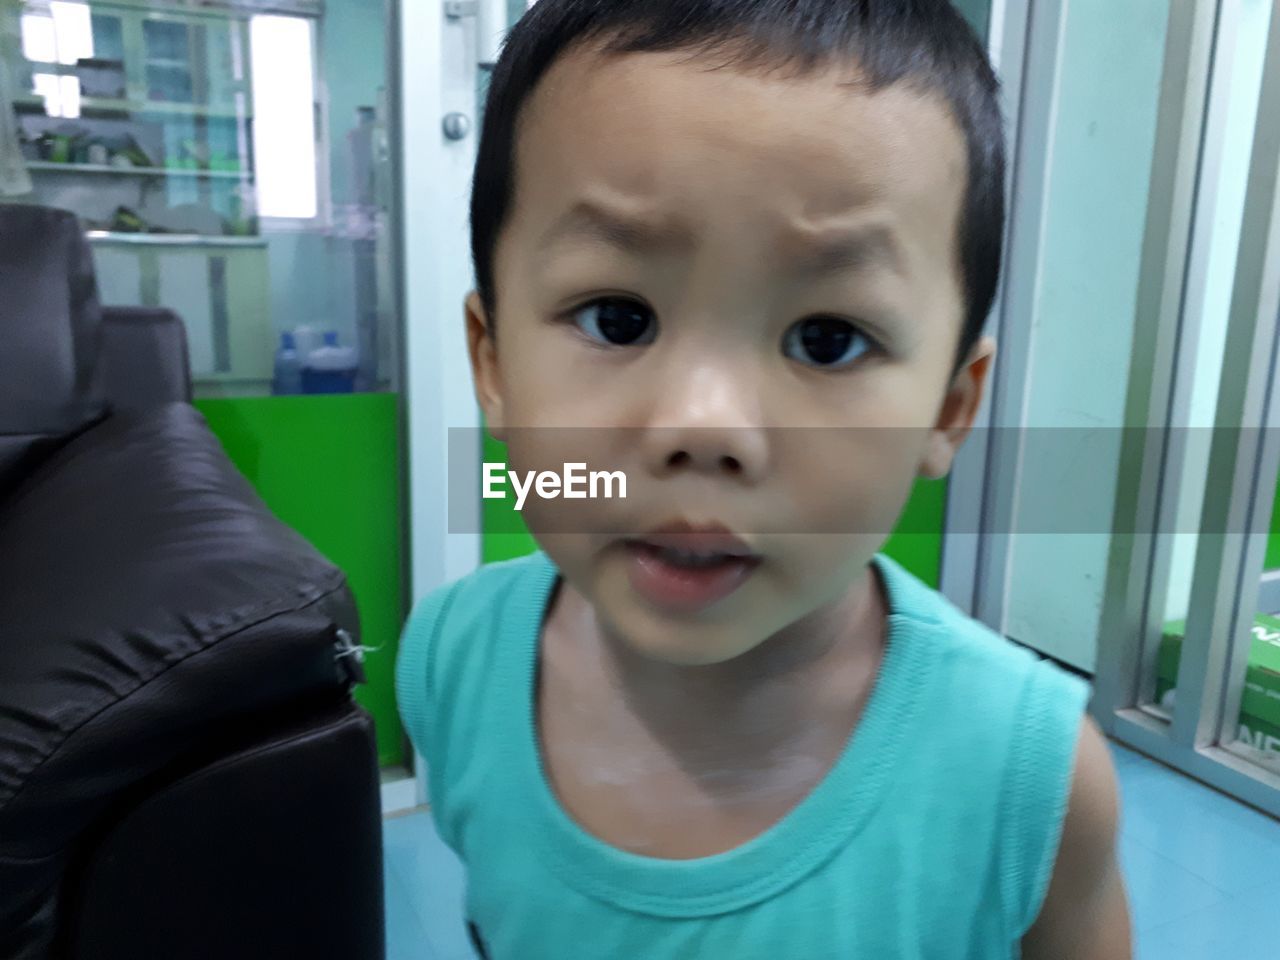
(208, 640)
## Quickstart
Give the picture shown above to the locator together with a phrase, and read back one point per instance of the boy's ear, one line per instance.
(959, 409)
(484, 366)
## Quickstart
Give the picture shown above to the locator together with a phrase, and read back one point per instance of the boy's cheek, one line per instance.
(856, 484)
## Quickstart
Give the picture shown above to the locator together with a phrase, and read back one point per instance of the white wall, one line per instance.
(1101, 155)
(438, 76)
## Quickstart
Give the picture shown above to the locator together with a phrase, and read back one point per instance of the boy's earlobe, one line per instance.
(938, 457)
(484, 366)
(959, 410)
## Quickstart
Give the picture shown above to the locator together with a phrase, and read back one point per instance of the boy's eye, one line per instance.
(825, 342)
(618, 322)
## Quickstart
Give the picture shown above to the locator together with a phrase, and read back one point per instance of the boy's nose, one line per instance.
(708, 422)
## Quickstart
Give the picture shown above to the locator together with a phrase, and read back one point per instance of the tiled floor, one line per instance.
(1203, 871)
(1203, 875)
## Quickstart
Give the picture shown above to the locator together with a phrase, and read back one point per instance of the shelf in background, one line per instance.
(99, 106)
(174, 239)
(135, 171)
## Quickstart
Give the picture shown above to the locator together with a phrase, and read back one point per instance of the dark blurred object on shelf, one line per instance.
(101, 78)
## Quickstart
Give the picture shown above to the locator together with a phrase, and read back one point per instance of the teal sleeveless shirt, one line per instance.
(934, 834)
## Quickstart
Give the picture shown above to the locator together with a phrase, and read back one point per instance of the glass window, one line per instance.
(284, 115)
(1222, 199)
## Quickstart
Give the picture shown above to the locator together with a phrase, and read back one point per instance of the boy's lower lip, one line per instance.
(681, 588)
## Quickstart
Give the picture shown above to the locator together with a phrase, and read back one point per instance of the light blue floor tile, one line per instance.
(1242, 928)
(1159, 890)
(1122, 756)
(1150, 945)
(434, 881)
(1217, 839)
(406, 938)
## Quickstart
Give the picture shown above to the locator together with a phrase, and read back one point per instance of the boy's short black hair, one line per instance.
(925, 43)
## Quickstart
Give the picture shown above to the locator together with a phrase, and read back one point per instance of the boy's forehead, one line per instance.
(660, 126)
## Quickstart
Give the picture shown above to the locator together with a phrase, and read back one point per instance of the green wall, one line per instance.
(328, 466)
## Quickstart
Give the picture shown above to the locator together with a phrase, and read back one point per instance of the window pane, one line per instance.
(284, 116)
(166, 40)
(108, 38)
(39, 40)
(1239, 68)
(75, 35)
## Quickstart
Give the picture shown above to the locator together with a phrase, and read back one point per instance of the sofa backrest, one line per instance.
(50, 323)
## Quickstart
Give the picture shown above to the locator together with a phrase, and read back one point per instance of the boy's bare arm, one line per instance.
(1086, 914)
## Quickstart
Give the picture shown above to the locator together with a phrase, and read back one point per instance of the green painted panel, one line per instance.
(1272, 561)
(917, 544)
(328, 466)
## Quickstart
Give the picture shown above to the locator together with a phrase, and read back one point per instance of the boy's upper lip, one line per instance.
(697, 537)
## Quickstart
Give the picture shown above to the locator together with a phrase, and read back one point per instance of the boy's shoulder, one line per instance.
(1015, 717)
(495, 597)
(482, 591)
(451, 639)
(977, 658)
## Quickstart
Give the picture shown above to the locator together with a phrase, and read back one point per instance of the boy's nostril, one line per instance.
(682, 458)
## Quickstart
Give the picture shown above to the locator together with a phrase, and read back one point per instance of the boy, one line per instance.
(754, 243)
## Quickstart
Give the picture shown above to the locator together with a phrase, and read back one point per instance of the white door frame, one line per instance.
(1024, 43)
(436, 72)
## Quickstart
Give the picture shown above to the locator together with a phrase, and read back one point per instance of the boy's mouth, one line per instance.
(683, 567)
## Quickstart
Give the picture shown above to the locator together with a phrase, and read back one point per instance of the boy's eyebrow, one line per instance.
(589, 220)
(821, 252)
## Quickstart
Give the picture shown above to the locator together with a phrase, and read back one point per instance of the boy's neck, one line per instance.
(799, 690)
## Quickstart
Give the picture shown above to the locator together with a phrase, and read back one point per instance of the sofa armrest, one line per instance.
(148, 599)
(143, 361)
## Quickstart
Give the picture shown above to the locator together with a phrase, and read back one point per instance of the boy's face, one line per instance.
(716, 334)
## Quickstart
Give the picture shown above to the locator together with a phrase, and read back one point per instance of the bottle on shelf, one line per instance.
(288, 372)
(330, 368)
(307, 338)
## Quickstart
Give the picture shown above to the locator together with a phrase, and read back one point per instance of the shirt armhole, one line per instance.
(415, 668)
(1049, 722)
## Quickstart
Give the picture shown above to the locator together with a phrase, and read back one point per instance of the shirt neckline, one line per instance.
(821, 824)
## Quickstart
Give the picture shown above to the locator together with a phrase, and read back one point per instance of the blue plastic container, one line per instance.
(330, 368)
(288, 370)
